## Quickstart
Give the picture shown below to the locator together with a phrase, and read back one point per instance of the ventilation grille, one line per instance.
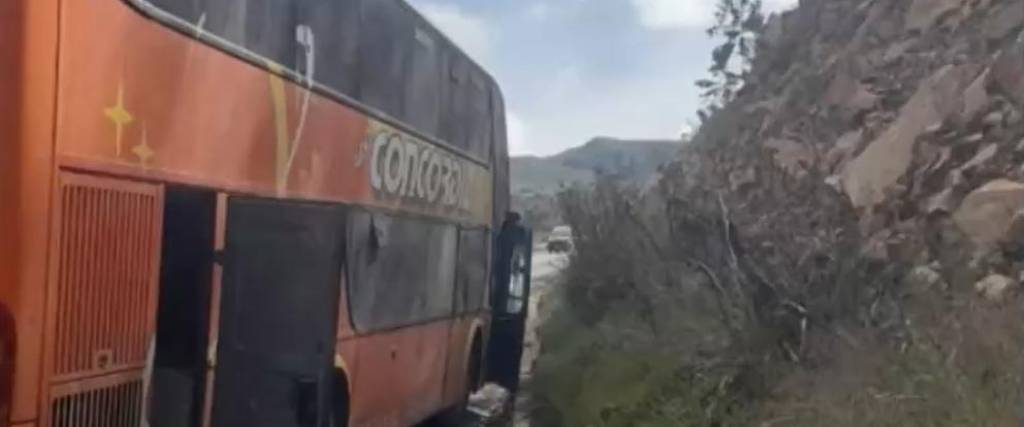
(109, 405)
(109, 243)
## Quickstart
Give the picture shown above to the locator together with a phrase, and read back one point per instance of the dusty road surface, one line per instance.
(546, 266)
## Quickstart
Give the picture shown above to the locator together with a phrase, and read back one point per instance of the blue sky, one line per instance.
(574, 69)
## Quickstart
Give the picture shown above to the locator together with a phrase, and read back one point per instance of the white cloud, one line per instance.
(467, 31)
(517, 139)
(772, 6)
(690, 14)
(539, 11)
(674, 14)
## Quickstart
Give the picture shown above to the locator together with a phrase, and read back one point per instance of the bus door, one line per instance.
(510, 305)
(278, 318)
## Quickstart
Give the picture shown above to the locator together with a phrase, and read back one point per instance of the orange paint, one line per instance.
(28, 65)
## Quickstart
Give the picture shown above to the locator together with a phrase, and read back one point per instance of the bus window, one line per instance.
(422, 106)
(479, 124)
(264, 27)
(383, 52)
(335, 25)
(401, 270)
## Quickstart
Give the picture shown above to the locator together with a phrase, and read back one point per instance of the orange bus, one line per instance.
(249, 213)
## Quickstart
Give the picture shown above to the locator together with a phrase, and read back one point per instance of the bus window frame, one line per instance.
(363, 330)
(176, 23)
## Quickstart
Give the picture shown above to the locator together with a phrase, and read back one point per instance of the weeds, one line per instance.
(690, 306)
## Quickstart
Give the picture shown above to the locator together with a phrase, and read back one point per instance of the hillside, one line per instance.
(841, 243)
(633, 160)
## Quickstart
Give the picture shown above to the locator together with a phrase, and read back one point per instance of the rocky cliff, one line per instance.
(910, 109)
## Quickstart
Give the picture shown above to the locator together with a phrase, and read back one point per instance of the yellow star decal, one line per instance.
(119, 116)
(143, 151)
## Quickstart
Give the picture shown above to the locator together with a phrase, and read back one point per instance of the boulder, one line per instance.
(490, 402)
(740, 179)
(844, 149)
(1013, 117)
(986, 215)
(943, 202)
(1008, 73)
(975, 99)
(995, 287)
(1015, 233)
(974, 138)
(835, 182)
(850, 95)
(923, 278)
(897, 50)
(875, 22)
(924, 14)
(984, 156)
(790, 155)
(887, 158)
(877, 246)
(1002, 21)
(993, 119)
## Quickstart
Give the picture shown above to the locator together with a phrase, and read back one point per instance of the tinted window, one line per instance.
(335, 25)
(479, 120)
(378, 52)
(456, 130)
(385, 48)
(425, 83)
(401, 270)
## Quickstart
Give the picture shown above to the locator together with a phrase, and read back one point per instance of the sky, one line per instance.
(571, 70)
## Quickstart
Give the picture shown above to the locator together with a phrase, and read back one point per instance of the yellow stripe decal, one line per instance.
(283, 151)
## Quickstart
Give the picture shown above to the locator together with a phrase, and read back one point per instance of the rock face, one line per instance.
(987, 214)
(1008, 72)
(790, 155)
(1003, 21)
(887, 158)
(975, 98)
(913, 110)
(995, 287)
(924, 14)
(924, 279)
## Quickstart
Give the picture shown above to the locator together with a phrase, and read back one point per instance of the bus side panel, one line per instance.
(400, 379)
(376, 392)
(459, 342)
(28, 54)
(425, 372)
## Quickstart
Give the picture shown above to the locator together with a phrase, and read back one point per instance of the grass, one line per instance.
(962, 368)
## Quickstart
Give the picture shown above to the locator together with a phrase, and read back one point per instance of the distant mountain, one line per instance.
(633, 160)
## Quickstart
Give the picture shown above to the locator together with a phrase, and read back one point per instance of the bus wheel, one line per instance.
(339, 401)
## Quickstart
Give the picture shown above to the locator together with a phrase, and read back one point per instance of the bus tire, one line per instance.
(339, 414)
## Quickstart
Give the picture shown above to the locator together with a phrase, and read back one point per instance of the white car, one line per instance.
(560, 239)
